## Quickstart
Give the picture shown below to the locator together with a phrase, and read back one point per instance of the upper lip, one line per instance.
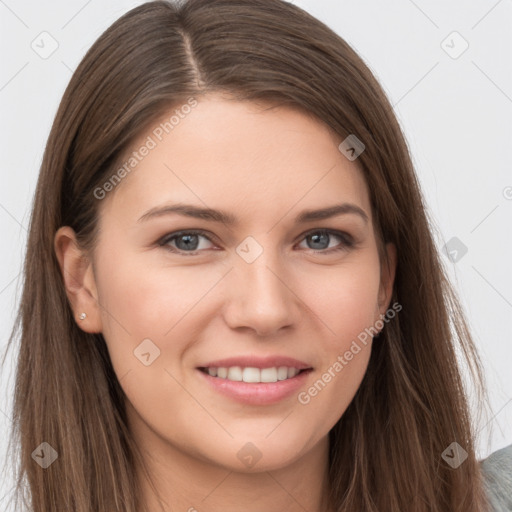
(257, 362)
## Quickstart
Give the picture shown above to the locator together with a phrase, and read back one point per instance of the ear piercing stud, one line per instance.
(82, 316)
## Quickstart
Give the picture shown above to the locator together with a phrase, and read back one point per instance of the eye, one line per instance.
(188, 242)
(322, 236)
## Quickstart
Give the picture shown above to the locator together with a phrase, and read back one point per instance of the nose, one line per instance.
(261, 297)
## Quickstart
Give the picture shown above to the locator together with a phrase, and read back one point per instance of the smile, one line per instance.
(251, 374)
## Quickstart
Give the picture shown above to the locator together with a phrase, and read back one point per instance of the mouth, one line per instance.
(250, 385)
(254, 375)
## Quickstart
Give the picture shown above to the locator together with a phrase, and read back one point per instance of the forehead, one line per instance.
(243, 157)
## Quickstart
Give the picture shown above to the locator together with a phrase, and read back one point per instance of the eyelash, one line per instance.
(347, 241)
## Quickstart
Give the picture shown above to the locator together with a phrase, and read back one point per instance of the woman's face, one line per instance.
(268, 290)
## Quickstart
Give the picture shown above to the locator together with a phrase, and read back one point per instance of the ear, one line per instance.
(79, 280)
(387, 278)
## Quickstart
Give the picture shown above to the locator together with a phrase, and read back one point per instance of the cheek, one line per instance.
(140, 300)
(345, 299)
(329, 395)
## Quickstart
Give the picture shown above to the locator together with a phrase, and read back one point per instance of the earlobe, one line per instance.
(78, 280)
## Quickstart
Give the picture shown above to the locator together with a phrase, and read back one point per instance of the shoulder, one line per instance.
(497, 473)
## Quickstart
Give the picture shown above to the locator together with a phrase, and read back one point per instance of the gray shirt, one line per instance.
(497, 472)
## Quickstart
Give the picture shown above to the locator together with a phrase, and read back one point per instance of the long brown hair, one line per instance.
(386, 450)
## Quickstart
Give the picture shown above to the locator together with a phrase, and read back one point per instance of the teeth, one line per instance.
(249, 374)
(270, 374)
(235, 373)
(291, 373)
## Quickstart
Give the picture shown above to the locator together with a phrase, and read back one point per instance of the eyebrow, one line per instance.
(212, 215)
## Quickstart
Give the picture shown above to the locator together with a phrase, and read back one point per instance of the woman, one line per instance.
(244, 373)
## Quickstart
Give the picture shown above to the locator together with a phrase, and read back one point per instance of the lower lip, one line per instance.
(261, 393)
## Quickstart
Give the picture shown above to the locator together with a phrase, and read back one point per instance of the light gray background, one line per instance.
(455, 113)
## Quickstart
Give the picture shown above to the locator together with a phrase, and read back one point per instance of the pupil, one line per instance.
(188, 244)
(316, 238)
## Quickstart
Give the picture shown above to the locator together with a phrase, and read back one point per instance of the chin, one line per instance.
(263, 452)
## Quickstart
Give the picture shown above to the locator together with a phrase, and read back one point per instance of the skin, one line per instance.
(264, 167)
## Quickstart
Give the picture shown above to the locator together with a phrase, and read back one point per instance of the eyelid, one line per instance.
(163, 241)
(330, 231)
